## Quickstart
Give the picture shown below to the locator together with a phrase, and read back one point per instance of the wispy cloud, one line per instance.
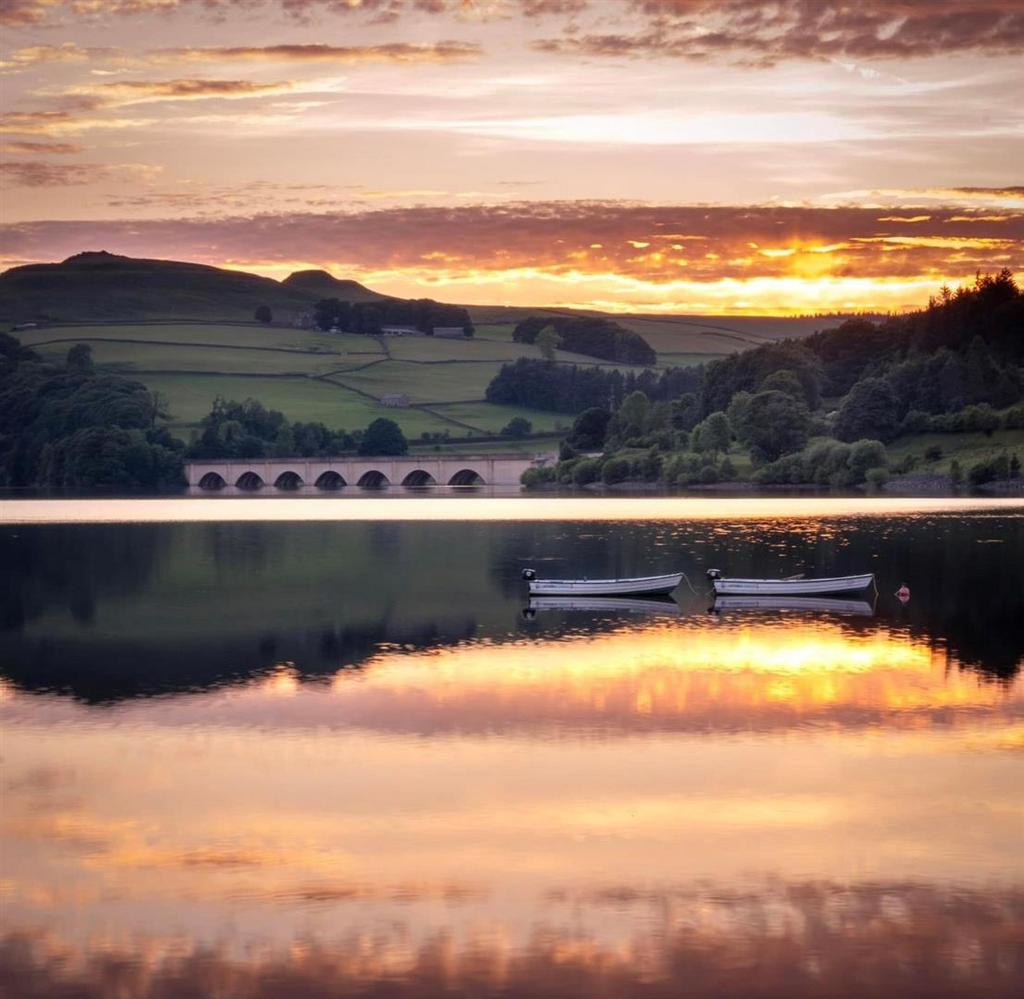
(39, 174)
(393, 53)
(127, 92)
(753, 33)
(28, 148)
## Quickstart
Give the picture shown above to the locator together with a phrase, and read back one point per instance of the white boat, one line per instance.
(644, 585)
(636, 605)
(795, 586)
(829, 605)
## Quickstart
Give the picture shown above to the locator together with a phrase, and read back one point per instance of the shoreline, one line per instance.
(484, 509)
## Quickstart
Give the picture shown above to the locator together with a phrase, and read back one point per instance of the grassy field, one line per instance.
(204, 335)
(132, 358)
(452, 382)
(337, 379)
(968, 449)
(189, 398)
(492, 418)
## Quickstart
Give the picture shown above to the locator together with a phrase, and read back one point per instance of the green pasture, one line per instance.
(211, 334)
(495, 331)
(423, 382)
(493, 418)
(968, 449)
(131, 358)
(428, 348)
(335, 379)
(189, 398)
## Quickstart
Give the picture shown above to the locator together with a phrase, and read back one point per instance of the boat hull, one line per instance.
(792, 587)
(651, 586)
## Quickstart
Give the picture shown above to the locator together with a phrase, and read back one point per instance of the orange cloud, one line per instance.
(566, 252)
(44, 148)
(393, 52)
(123, 92)
(37, 174)
(754, 34)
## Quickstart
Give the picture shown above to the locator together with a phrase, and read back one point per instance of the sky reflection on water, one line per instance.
(770, 804)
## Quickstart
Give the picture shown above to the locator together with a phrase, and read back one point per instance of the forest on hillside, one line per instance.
(819, 410)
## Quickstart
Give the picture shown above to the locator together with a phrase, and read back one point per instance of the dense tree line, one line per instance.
(569, 388)
(590, 335)
(67, 426)
(249, 430)
(817, 411)
(370, 317)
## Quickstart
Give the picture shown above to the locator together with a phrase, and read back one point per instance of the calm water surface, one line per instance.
(337, 759)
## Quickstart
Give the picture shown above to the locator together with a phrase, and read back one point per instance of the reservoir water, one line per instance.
(314, 748)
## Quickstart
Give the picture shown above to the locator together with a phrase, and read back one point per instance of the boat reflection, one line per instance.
(634, 605)
(825, 605)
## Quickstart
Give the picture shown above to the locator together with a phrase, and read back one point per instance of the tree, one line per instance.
(713, 434)
(383, 437)
(79, 358)
(786, 381)
(517, 427)
(548, 341)
(263, 314)
(589, 429)
(738, 414)
(686, 411)
(589, 335)
(864, 456)
(631, 419)
(870, 410)
(284, 443)
(777, 425)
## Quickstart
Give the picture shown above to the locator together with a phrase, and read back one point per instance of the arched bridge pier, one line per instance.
(290, 475)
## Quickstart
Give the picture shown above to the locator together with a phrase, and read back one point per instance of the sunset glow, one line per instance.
(631, 157)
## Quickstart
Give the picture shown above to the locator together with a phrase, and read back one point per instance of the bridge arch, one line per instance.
(250, 481)
(466, 477)
(288, 480)
(330, 480)
(373, 479)
(212, 480)
(419, 477)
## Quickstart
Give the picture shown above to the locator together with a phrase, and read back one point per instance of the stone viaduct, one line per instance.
(368, 473)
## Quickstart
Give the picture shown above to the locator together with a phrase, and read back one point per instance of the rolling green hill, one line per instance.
(187, 331)
(336, 379)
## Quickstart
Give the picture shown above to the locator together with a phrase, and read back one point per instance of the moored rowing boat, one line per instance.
(643, 585)
(789, 587)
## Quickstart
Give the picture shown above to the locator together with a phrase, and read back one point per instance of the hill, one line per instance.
(101, 285)
(320, 284)
(97, 285)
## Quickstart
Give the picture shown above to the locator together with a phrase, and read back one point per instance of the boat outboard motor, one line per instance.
(714, 574)
(529, 574)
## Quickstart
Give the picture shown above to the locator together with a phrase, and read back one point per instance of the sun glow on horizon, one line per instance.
(811, 289)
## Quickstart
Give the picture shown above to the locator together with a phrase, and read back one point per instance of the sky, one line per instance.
(669, 156)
